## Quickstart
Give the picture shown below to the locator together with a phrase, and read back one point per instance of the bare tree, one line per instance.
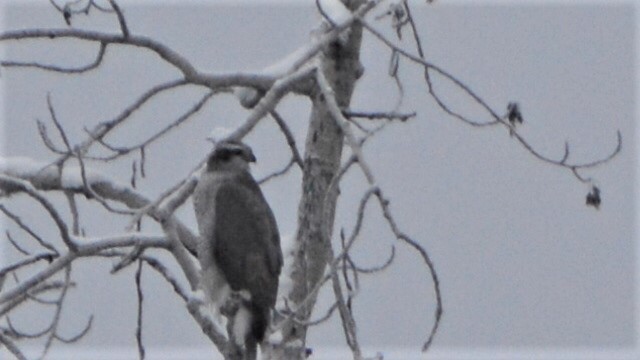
(325, 71)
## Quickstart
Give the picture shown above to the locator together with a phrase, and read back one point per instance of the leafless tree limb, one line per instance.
(379, 115)
(305, 75)
(123, 24)
(278, 173)
(22, 297)
(48, 206)
(141, 351)
(101, 130)
(376, 269)
(268, 102)
(496, 119)
(79, 335)
(28, 229)
(123, 150)
(16, 245)
(86, 249)
(11, 346)
(289, 136)
(75, 215)
(53, 328)
(384, 204)
(66, 70)
(26, 262)
(336, 112)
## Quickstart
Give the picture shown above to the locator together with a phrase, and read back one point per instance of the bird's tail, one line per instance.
(259, 321)
(250, 325)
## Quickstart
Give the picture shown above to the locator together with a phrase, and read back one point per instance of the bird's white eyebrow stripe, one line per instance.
(230, 146)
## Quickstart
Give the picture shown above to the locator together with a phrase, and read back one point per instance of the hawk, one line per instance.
(239, 249)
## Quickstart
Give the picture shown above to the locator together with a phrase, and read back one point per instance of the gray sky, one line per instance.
(523, 264)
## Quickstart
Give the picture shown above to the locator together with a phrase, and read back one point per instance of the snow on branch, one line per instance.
(293, 62)
(188, 71)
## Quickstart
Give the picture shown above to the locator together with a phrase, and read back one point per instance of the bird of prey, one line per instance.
(239, 249)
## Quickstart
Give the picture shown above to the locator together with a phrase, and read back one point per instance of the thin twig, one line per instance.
(21, 298)
(379, 268)
(291, 141)
(278, 173)
(53, 328)
(336, 113)
(141, 350)
(78, 336)
(379, 115)
(121, 150)
(75, 216)
(101, 130)
(384, 205)
(12, 347)
(27, 229)
(55, 68)
(497, 119)
(35, 194)
(26, 262)
(123, 24)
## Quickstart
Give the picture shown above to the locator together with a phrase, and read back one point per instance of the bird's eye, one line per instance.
(225, 155)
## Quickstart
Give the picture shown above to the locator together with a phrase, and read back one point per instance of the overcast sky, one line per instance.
(523, 263)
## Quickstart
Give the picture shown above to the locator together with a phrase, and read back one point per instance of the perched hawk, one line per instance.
(239, 247)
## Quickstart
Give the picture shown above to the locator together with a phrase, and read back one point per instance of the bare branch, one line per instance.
(49, 180)
(139, 318)
(384, 205)
(46, 140)
(278, 173)
(156, 265)
(123, 24)
(53, 328)
(87, 248)
(323, 318)
(336, 112)
(291, 141)
(75, 216)
(190, 74)
(16, 245)
(26, 262)
(120, 151)
(267, 103)
(379, 268)
(80, 334)
(102, 129)
(60, 69)
(325, 16)
(414, 30)
(379, 115)
(27, 229)
(31, 191)
(21, 298)
(496, 119)
(11, 346)
(164, 272)
(54, 118)
(92, 194)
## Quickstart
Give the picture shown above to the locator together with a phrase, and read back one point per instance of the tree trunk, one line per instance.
(323, 151)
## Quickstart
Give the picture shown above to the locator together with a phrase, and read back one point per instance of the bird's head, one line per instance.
(230, 156)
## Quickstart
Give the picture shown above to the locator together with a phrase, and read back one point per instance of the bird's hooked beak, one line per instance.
(250, 157)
